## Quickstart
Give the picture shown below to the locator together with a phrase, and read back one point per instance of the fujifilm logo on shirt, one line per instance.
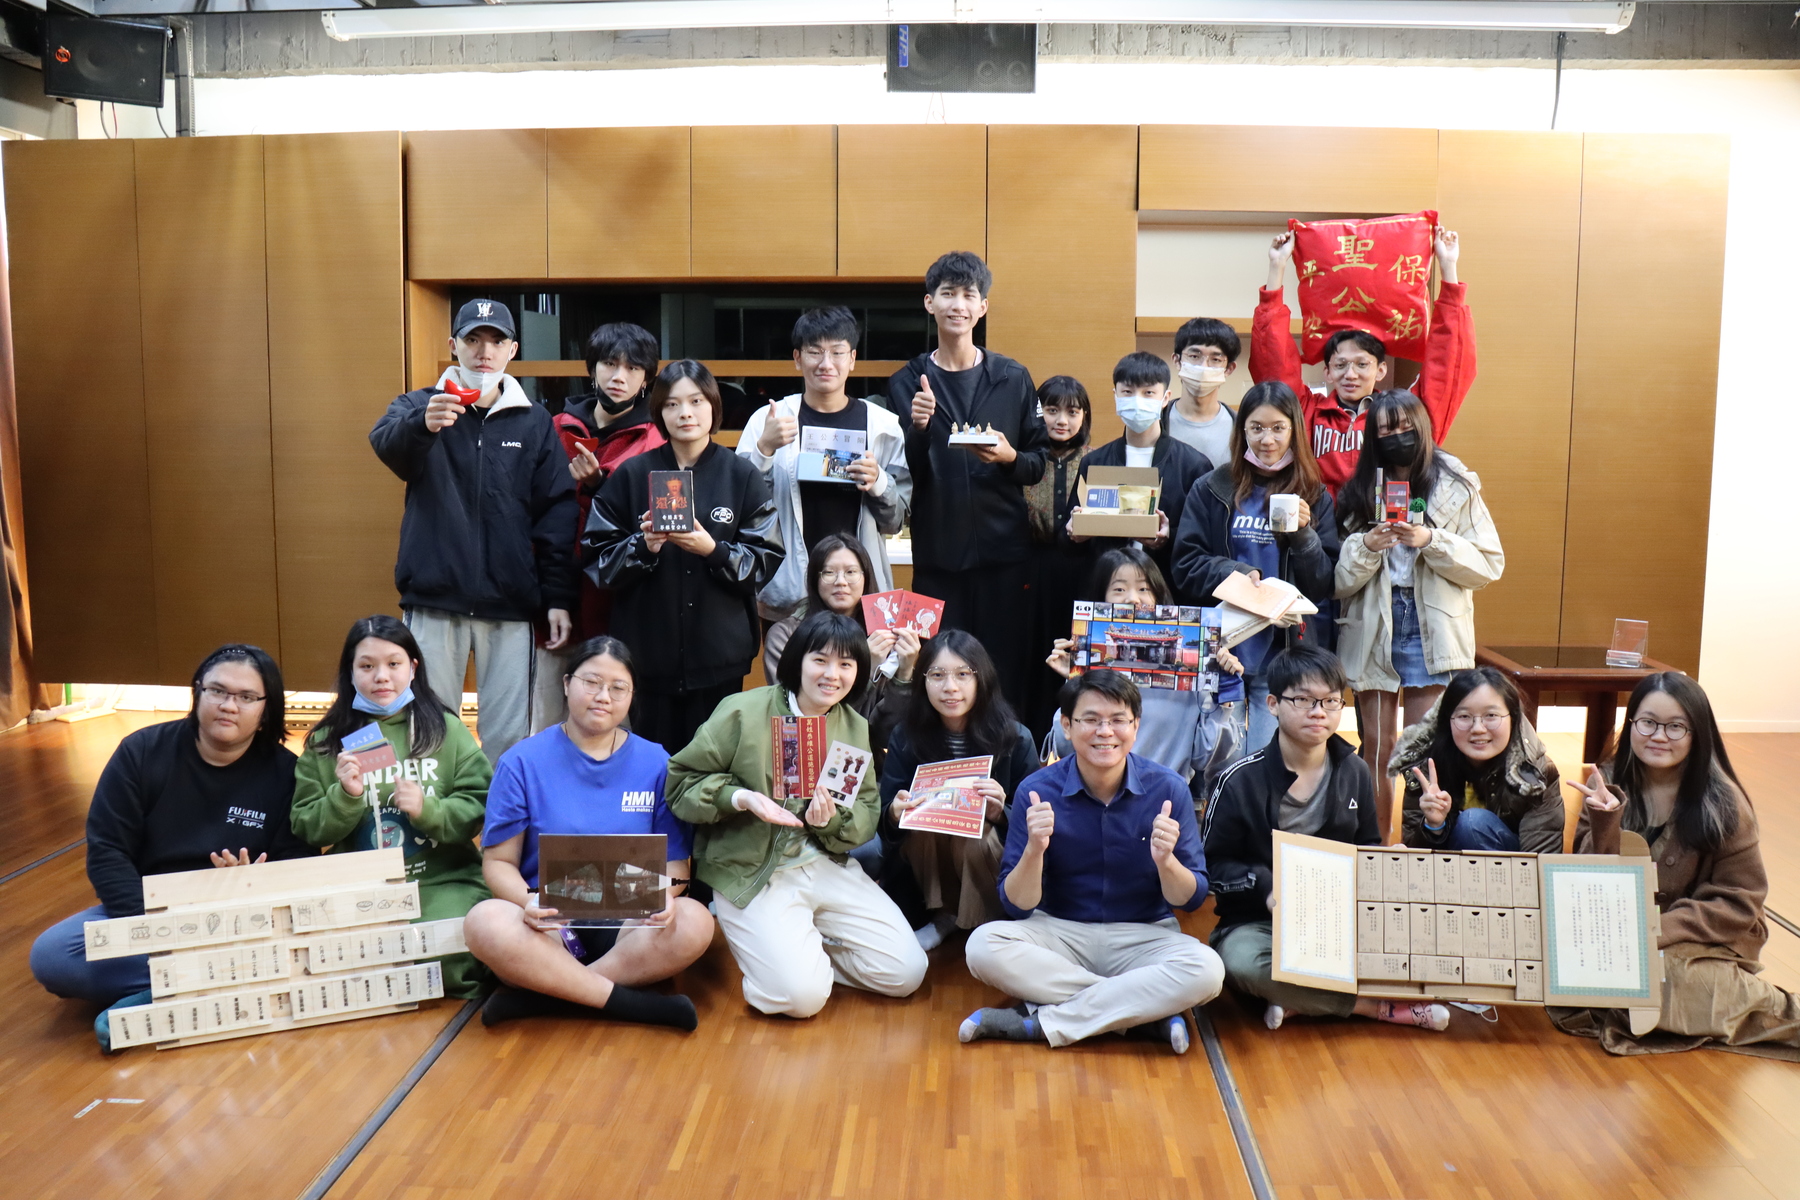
(638, 802)
(249, 818)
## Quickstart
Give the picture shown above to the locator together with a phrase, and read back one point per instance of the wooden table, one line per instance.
(1535, 670)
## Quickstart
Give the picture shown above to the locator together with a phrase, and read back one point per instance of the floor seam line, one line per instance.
(54, 854)
(1249, 1152)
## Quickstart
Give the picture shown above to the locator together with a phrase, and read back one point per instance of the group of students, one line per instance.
(610, 660)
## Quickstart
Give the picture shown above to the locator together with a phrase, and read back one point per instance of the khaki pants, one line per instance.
(1089, 978)
(1249, 954)
(958, 873)
(505, 663)
(1714, 997)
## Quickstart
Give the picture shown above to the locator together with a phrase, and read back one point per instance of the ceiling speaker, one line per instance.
(962, 58)
(120, 61)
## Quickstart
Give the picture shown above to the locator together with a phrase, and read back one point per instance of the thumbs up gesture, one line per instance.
(1163, 833)
(924, 403)
(778, 430)
(1040, 823)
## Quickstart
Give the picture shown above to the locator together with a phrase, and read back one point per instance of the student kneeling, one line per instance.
(797, 911)
(1101, 847)
(1307, 780)
(578, 778)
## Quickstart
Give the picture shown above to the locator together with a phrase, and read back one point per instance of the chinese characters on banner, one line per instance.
(1370, 275)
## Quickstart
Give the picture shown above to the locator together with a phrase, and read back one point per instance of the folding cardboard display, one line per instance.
(1118, 524)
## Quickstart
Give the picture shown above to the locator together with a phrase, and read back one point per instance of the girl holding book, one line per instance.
(1671, 781)
(684, 601)
(1407, 586)
(957, 713)
(797, 912)
(429, 798)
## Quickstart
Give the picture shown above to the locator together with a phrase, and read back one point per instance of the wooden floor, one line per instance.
(872, 1098)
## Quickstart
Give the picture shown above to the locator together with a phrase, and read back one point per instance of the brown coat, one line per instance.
(1711, 899)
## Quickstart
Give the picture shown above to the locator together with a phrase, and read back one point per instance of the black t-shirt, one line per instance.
(160, 807)
(955, 391)
(827, 508)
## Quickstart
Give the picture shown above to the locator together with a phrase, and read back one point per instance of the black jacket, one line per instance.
(1009, 770)
(490, 507)
(690, 621)
(1244, 813)
(160, 807)
(1202, 553)
(967, 513)
(1180, 466)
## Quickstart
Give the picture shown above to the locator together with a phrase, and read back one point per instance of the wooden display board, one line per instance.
(1576, 930)
(273, 946)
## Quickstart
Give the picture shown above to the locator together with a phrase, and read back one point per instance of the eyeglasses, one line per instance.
(1360, 366)
(1485, 720)
(1195, 358)
(1675, 731)
(593, 687)
(813, 358)
(1308, 703)
(841, 576)
(219, 695)
(941, 677)
(1259, 430)
(1102, 724)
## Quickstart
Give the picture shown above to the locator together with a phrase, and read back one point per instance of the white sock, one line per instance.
(1274, 1015)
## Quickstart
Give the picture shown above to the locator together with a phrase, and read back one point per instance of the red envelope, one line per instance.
(923, 615)
(1370, 275)
(884, 610)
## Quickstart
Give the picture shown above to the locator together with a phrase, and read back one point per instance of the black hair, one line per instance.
(1706, 803)
(674, 373)
(1300, 477)
(959, 268)
(1297, 664)
(817, 326)
(595, 647)
(1064, 391)
(822, 550)
(992, 727)
(621, 339)
(1114, 685)
(1364, 340)
(1135, 556)
(273, 726)
(1454, 769)
(829, 633)
(1358, 505)
(1141, 368)
(425, 723)
(1209, 331)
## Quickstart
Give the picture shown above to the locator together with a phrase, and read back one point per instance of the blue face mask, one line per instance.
(363, 704)
(1137, 412)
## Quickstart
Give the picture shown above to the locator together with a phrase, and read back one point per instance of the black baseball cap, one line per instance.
(484, 314)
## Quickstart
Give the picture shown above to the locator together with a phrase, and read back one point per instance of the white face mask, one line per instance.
(1137, 412)
(481, 381)
(1202, 378)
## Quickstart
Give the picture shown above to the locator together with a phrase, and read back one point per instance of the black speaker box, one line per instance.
(120, 61)
(962, 58)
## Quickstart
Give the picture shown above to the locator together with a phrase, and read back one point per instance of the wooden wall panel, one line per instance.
(427, 333)
(206, 395)
(1064, 256)
(336, 267)
(447, 175)
(1515, 199)
(78, 366)
(619, 203)
(765, 201)
(1272, 168)
(889, 231)
(1646, 377)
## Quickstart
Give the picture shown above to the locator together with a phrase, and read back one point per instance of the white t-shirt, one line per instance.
(1139, 456)
(1211, 438)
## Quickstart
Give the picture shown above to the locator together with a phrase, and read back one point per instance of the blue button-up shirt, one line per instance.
(1097, 867)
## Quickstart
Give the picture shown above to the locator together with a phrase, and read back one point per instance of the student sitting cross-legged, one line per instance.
(429, 803)
(588, 775)
(1306, 780)
(797, 911)
(1101, 848)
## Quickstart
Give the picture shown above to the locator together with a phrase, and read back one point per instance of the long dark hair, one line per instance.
(425, 724)
(1300, 477)
(1128, 556)
(1706, 810)
(1454, 769)
(1358, 505)
(822, 550)
(273, 726)
(992, 727)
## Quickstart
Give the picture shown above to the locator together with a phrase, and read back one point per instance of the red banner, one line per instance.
(1370, 275)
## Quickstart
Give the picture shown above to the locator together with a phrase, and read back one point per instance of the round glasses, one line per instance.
(1646, 727)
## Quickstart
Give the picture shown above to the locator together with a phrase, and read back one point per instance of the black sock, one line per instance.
(510, 1004)
(650, 1008)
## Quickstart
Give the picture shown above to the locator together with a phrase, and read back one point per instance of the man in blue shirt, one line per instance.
(1102, 847)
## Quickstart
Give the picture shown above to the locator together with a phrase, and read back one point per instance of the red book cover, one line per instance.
(884, 610)
(798, 754)
(671, 501)
(922, 615)
(950, 802)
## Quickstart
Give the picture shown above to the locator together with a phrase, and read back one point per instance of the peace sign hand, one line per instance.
(1598, 796)
(1434, 801)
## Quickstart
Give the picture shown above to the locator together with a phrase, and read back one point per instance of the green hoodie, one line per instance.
(734, 851)
(439, 842)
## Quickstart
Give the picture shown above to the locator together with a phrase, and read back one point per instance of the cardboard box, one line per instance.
(1475, 933)
(1396, 929)
(1525, 881)
(1424, 929)
(1449, 930)
(1385, 968)
(1393, 876)
(1420, 882)
(1528, 936)
(1368, 927)
(1501, 926)
(1104, 524)
(1529, 981)
(1489, 972)
(1368, 875)
(1437, 968)
(1499, 882)
(1474, 880)
(1446, 872)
